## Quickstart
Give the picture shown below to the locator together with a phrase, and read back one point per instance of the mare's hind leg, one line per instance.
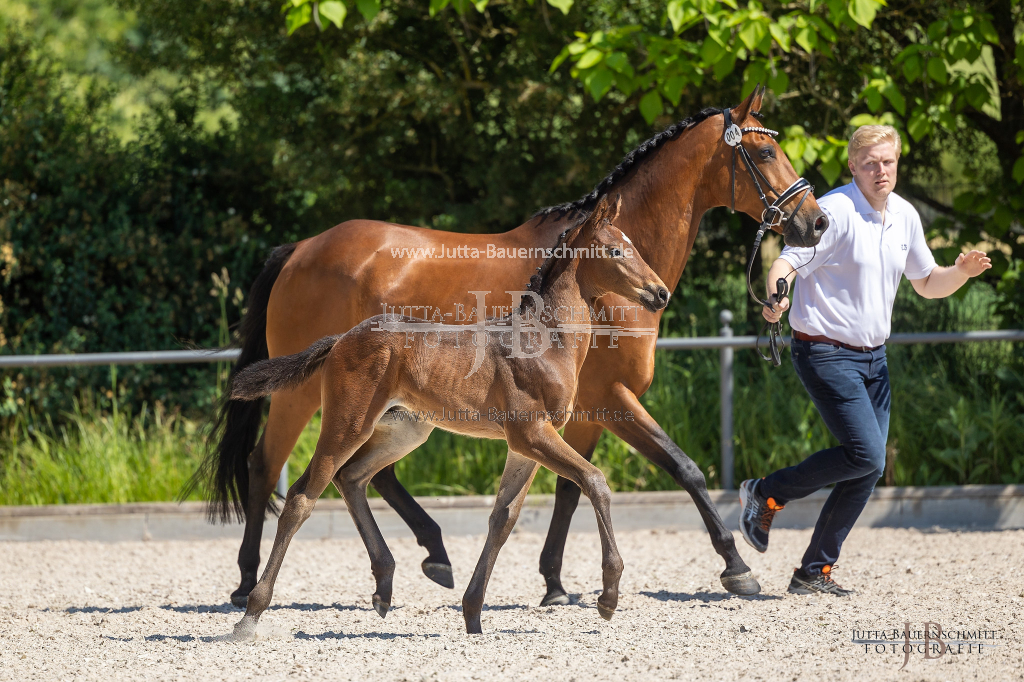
(515, 482)
(582, 437)
(289, 413)
(546, 447)
(389, 443)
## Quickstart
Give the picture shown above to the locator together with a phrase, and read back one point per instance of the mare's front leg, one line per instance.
(546, 447)
(515, 483)
(644, 434)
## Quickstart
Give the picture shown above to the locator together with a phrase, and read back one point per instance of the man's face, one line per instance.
(874, 170)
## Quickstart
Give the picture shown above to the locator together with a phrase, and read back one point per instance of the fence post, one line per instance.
(282, 482)
(725, 317)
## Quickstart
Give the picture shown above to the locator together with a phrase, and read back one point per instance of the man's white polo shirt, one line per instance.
(847, 288)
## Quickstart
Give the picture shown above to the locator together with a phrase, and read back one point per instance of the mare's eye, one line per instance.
(616, 253)
(767, 153)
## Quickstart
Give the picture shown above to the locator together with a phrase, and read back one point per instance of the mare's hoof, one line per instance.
(381, 607)
(742, 583)
(605, 612)
(473, 627)
(440, 574)
(557, 598)
(240, 599)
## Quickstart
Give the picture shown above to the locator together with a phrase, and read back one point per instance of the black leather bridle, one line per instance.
(772, 216)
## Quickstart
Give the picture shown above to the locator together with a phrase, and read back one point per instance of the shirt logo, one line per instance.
(903, 246)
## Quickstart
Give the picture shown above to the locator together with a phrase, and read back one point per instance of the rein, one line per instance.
(772, 216)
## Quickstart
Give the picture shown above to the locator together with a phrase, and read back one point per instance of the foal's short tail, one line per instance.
(287, 371)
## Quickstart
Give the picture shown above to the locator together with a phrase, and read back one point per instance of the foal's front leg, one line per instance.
(515, 483)
(546, 447)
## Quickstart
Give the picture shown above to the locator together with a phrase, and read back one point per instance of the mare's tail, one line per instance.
(233, 437)
(269, 376)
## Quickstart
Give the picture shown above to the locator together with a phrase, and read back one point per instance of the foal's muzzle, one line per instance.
(654, 297)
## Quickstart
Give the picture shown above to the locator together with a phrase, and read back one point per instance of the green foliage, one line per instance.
(117, 243)
(94, 457)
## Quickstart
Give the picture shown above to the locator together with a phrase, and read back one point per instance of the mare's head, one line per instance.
(801, 226)
(610, 264)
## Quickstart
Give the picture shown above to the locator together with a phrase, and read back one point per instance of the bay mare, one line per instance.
(369, 371)
(327, 284)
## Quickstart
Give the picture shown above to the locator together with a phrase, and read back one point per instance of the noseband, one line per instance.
(772, 216)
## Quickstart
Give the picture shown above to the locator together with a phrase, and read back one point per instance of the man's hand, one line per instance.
(780, 307)
(942, 282)
(974, 263)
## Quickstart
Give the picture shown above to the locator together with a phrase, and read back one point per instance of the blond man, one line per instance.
(841, 317)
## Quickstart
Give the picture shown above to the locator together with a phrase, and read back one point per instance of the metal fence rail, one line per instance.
(725, 342)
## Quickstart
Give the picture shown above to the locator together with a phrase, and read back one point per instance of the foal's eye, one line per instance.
(616, 253)
(767, 153)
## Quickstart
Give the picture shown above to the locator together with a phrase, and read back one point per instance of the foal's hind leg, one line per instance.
(389, 443)
(289, 413)
(298, 506)
(515, 482)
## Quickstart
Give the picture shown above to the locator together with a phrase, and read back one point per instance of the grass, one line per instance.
(93, 457)
(957, 417)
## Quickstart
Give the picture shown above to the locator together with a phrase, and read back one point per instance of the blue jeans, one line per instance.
(851, 391)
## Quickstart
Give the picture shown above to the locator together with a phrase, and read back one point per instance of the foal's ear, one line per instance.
(600, 212)
(751, 104)
(616, 208)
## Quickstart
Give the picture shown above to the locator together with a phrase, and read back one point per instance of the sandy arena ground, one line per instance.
(159, 610)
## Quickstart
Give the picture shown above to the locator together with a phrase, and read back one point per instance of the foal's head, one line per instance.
(610, 264)
(805, 227)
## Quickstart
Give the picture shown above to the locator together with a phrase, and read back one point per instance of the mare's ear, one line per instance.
(751, 103)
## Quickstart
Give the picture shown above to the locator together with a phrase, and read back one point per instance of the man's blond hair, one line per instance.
(865, 136)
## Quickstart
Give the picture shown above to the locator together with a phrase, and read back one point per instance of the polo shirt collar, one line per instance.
(861, 204)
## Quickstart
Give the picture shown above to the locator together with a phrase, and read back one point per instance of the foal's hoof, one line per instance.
(245, 629)
(557, 598)
(605, 612)
(381, 607)
(440, 574)
(741, 583)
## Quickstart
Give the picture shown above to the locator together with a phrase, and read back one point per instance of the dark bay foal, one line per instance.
(370, 374)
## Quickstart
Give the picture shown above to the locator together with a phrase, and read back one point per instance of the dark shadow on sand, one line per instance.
(706, 597)
(363, 635)
(99, 609)
(296, 606)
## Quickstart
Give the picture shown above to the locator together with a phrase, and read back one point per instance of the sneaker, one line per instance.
(756, 515)
(815, 584)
